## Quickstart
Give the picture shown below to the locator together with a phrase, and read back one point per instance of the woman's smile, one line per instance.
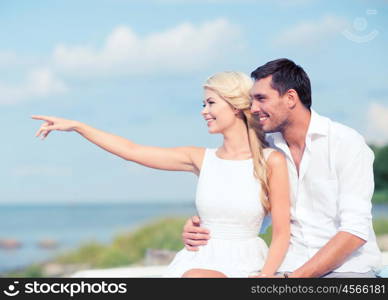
(209, 121)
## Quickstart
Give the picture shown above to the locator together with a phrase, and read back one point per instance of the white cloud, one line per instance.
(39, 83)
(183, 48)
(378, 123)
(311, 33)
(39, 170)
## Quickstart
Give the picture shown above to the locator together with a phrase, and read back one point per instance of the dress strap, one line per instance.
(207, 159)
(267, 152)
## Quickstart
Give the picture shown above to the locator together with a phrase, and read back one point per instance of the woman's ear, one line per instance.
(239, 113)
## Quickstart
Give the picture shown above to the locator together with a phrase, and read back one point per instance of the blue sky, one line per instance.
(135, 68)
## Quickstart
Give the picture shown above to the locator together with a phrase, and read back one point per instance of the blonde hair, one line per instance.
(234, 88)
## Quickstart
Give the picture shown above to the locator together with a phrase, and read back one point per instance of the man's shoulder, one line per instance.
(346, 137)
(343, 132)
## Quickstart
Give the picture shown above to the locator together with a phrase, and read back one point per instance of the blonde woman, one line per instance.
(239, 183)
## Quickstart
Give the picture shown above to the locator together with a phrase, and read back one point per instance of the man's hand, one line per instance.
(193, 235)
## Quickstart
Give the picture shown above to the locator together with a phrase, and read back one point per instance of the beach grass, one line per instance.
(129, 248)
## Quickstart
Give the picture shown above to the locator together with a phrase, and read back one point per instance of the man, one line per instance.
(331, 178)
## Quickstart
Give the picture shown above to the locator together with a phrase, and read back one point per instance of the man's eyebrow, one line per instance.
(258, 96)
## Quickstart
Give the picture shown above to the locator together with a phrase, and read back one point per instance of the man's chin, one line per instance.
(267, 128)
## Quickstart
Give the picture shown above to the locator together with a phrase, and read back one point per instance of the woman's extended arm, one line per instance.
(279, 196)
(173, 159)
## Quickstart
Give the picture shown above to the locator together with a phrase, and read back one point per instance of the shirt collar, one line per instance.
(318, 126)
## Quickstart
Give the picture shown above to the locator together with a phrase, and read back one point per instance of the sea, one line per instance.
(72, 224)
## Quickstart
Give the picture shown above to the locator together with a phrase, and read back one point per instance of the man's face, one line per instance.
(268, 107)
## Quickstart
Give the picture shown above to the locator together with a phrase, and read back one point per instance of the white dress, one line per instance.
(228, 204)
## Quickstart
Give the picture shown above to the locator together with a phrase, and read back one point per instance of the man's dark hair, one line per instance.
(286, 75)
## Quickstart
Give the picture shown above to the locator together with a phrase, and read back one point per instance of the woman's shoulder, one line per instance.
(267, 152)
(273, 156)
(196, 151)
(197, 154)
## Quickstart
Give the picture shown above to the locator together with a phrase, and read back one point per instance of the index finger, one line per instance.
(44, 118)
(196, 229)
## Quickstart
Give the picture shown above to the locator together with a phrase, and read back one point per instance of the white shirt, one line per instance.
(332, 193)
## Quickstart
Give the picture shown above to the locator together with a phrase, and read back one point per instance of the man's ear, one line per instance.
(292, 98)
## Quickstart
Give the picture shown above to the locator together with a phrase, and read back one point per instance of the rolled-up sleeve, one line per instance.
(356, 186)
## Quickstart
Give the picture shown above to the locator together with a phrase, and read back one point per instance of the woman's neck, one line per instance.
(236, 142)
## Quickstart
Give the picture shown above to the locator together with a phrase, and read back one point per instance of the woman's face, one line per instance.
(218, 114)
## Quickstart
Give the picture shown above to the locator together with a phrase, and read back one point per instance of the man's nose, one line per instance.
(255, 107)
